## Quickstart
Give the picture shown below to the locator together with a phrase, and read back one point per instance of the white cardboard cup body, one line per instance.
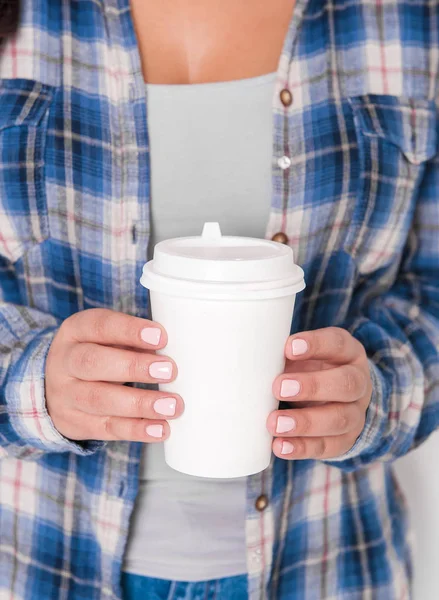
(227, 305)
(228, 354)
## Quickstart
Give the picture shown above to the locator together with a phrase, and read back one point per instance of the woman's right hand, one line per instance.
(93, 354)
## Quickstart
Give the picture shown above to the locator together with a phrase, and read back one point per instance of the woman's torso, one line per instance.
(202, 169)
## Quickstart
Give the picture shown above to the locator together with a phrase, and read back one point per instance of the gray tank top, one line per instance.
(211, 154)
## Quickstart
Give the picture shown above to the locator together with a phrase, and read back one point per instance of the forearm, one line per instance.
(26, 429)
(401, 337)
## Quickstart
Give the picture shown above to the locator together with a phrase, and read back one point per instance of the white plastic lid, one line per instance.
(216, 266)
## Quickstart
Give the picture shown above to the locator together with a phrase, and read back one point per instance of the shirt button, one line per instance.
(261, 503)
(281, 238)
(286, 97)
(414, 312)
(284, 162)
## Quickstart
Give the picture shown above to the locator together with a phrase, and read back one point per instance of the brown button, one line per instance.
(261, 503)
(286, 97)
(280, 237)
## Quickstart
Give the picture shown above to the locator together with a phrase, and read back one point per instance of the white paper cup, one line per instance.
(227, 305)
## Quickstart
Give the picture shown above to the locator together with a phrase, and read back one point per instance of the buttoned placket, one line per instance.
(260, 511)
(129, 112)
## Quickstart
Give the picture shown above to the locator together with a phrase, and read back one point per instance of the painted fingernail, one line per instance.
(289, 388)
(287, 448)
(151, 335)
(285, 424)
(161, 370)
(299, 347)
(155, 431)
(165, 406)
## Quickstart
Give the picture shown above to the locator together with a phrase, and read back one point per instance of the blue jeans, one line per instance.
(136, 587)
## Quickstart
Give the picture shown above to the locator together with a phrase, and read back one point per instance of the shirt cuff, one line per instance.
(26, 401)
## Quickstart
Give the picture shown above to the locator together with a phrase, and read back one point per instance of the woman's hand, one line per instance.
(92, 355)
(327, 381)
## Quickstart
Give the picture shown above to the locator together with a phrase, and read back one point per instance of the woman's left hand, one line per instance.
(327, 381)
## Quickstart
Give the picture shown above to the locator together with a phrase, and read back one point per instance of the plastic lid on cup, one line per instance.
(217, 266)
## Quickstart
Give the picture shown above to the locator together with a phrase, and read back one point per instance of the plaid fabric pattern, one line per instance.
(359, 206)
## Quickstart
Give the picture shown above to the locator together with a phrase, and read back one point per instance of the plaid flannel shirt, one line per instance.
(358, 202)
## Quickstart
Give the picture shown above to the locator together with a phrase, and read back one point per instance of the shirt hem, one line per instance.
(157, 571)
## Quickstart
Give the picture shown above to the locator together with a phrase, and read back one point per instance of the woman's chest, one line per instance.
(219, 40)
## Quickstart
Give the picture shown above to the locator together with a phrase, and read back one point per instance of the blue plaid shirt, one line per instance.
(358, 202)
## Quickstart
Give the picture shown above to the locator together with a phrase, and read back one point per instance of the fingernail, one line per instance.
(289, 388)
(285, 424)
(155, 431)
(151, 335)
(299, 347)
(161, 370)
(165, 406)
(287, 448)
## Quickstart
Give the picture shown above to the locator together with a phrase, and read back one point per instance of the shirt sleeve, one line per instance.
(26, 429)
(400, 331)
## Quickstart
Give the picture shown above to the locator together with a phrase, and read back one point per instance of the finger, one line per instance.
(129, 430)
(91, 362)
(111, 328)
(121, 401)
(306, 366)
(331, 343)
(313, 448)
(341, 384)
(331, 419)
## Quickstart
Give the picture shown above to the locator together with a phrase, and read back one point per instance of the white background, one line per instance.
(419, 476)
